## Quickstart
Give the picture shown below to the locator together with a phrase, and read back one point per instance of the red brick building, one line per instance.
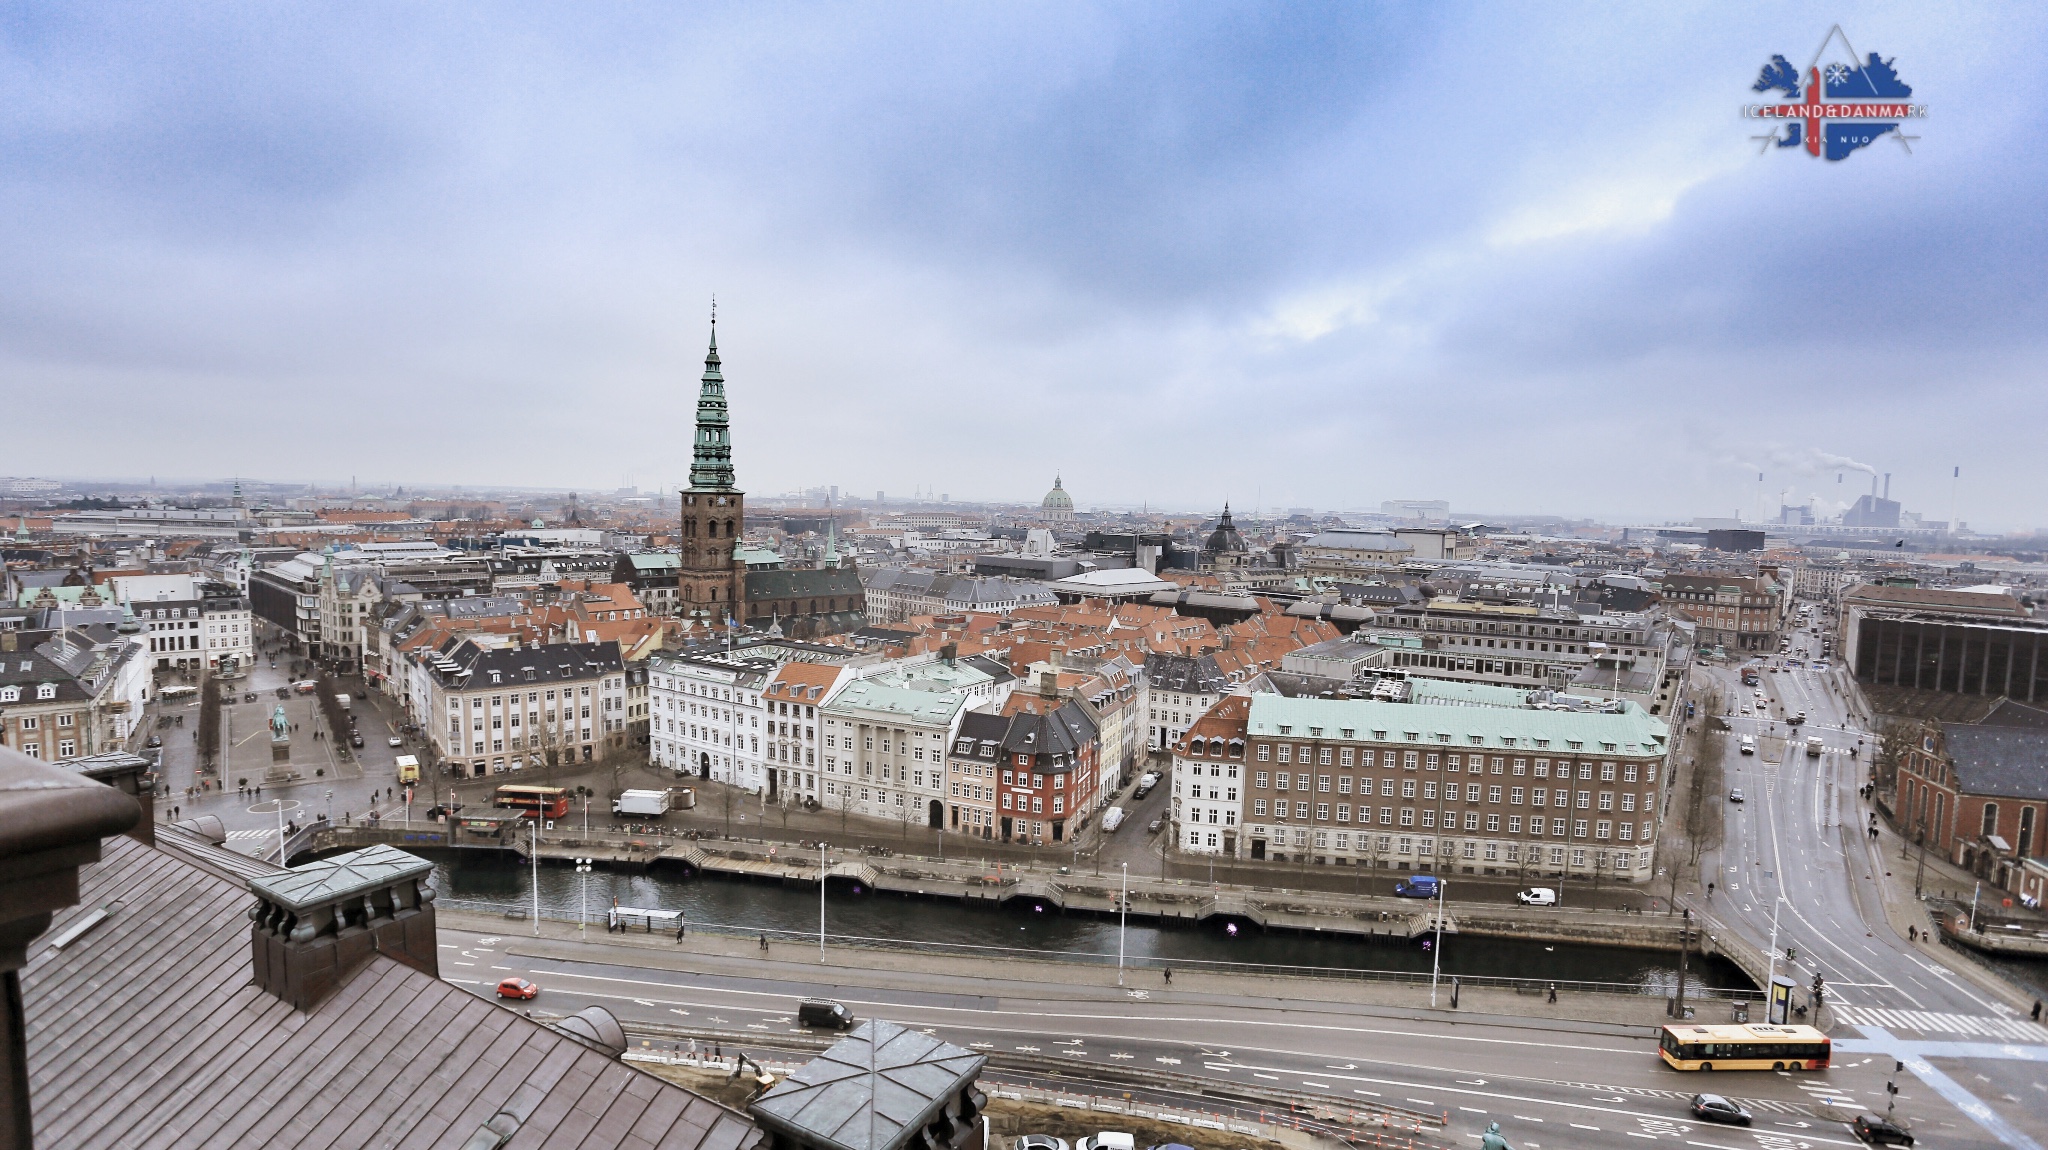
(1978, 793)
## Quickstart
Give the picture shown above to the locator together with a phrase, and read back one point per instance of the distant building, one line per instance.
(1736, 612)
(1342, 552)
(1057, 508)
(1426, 510)
(508, 708)
(1962, 642)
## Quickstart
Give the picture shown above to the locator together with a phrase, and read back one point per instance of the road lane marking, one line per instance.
(983, 1012)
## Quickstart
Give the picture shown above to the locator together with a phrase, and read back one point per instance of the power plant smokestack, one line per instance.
(1887, 485)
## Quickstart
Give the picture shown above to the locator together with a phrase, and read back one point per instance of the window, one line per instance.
(1344, 757)
(1260, 780)
(1343, 812)
(1323, 783)
(1286, 753)
(1408, 816)
(1386, 817)
(1259, 808)
(1514, 828)
(1407, 788)
(1263, 749)
(1386, 787)
(1322, 812)
(1990, 819)
(1578, 828)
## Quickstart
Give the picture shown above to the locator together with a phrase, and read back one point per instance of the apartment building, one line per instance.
(502, 709)
(972, 769)
(1736, 612)
(44, 712)
(885, 737)
(1208, 779)
(707, 715)
(1462, 778)
(1179, 689)
(1343, 552)
(188, 622)
(790, 705)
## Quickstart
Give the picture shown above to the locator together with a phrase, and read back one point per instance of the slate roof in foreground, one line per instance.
(146, 1031)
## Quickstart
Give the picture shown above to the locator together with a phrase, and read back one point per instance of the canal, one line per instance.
(494, 882)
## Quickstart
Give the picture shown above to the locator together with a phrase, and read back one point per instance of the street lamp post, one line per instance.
(1123, 913)
(583, 898)
(821, 901)
(1436, 951)
(533, 854)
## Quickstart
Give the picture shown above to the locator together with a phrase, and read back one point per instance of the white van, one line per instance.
(1748, 744)
(1106, 1140)
(1538, 896)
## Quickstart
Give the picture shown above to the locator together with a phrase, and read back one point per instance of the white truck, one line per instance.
(1813, 746)
(642, 804)
(1112, 819)
(342, 701)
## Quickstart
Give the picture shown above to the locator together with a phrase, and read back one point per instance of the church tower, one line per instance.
(712, 578)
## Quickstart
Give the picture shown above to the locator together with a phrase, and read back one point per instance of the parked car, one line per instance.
(1880, 1131)
(155, 741)
(395, 741)
(1735, 796)
(1537, 896)
(824, 1012)
(1714, 1108)
(1039, 1142)
(1153, 828)
(1107, 1140)
(355, 740)
(516, 988)
(1421, 886)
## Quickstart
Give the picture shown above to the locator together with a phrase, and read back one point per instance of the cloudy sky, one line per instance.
(1523, 258)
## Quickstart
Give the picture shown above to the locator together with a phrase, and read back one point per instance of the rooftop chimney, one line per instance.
(1049, 684)
(317, 924)
(948, 653)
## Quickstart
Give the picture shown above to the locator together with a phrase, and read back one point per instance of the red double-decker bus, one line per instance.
(534, 802)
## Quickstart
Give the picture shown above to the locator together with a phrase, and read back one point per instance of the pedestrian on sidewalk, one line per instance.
(2037, 1010)
(1553, 994)
(1169, 976)
(764, 944)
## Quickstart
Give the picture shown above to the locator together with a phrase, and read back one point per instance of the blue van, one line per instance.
(1421, 886)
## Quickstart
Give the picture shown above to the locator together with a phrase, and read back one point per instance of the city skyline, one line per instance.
(974, 251)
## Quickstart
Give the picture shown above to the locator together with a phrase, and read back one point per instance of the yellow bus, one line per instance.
(1744, 1047)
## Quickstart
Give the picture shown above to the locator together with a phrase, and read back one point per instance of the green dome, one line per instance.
(1057, 499)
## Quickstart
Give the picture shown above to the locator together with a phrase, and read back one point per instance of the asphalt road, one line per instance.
(1798, 850)
(1548, 1083)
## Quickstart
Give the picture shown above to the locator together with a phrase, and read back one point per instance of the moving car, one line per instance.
(394, 741)
(1537, 896)
(1421, 886)
(1154, 828)
(1795, 718)
(1735, 796)
(355, 740)
(516, 988)
(824, 1012)
(1146, 782)
(1814, 746)
(1714, 1108)
(1748, 745)
(155, 741)
(1880, 1131)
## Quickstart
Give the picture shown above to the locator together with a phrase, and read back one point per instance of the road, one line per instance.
(1548, 1082)
(1799, 849)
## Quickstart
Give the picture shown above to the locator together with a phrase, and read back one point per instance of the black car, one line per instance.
(155, 741)
(1714, 1108)
(1880, 1131)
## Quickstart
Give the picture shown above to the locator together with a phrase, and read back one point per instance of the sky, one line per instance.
(1525, 258)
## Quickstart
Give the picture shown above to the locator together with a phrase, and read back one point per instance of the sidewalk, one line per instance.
(1040, 981)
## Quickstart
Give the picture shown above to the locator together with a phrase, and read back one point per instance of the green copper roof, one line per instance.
(1452, 727)
(711, 457)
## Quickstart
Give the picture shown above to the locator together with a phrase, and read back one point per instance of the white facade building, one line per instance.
(706, 715)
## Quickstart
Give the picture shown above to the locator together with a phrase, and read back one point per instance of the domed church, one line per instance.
(1058, 506)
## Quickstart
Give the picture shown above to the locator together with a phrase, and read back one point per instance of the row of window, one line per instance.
(1471, 820)
(1453, 764)
(1472, 792)
(13, 694)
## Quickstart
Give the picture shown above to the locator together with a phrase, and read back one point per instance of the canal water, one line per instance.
(489, 881)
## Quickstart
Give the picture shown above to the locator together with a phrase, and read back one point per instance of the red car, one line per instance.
(517, 988)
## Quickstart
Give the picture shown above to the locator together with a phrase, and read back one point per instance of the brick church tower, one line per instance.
(712, 582)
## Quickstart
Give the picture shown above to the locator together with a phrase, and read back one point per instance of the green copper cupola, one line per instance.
(711, 457)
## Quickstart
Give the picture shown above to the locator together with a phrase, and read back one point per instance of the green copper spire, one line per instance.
(711, 459)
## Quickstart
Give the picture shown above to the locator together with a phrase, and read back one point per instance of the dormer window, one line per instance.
(1285, 729)
(46, 691)
(10, 694)
(1411, 736)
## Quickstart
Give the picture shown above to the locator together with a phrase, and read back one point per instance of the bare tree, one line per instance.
(728, 797)
(844, 801)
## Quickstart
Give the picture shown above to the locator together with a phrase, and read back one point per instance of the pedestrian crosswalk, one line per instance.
(1970, 1025)
(252, 834)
